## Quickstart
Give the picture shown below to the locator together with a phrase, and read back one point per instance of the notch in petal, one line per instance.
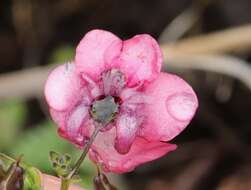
(140, 59)
(96, 51)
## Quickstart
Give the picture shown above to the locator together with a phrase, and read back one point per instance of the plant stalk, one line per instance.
(65, 182)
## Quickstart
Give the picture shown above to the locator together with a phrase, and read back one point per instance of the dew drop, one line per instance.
(181, 106)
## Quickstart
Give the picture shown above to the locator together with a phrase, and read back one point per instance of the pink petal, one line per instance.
(62, 88)
(59, 117)
(70, 123)
(53, 183)
(77, 111)
(72, 120)
(173, 105)
(126, 129)
(96, 51)
(92, 86)
(141, 151)
(141, 59)
(76, 119)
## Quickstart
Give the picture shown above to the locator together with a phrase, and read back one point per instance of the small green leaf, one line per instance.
(6, 161)
(54, 156)
(36, 137)
(60, 163)
(32, 179)
(67, 158)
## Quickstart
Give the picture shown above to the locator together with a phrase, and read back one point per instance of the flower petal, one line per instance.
(173, 105)
(62, 88)
(92, 86)
(70, 123)
(126, 129)
(141, 151)
(59, 117)
(72, 120)
(140, 59)
(76, 119)
(95, 51)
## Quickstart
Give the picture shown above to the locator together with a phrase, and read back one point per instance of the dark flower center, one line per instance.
(104, 110)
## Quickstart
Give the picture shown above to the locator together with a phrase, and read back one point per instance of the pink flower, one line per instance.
(119, 83)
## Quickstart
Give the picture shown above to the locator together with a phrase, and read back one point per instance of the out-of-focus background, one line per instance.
(207, 42)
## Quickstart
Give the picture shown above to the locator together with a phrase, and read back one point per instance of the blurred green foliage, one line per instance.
(36, 142)
(13, 114)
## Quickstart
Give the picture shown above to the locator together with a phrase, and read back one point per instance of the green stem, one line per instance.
(85, 151)
(65, 182)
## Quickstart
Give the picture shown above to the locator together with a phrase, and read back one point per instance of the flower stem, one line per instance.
(66, 180)
(65, 183)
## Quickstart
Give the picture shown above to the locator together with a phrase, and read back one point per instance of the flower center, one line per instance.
(104, 110)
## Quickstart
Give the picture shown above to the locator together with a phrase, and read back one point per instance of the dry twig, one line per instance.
(221, 64)
(231, 40)
(184, 54)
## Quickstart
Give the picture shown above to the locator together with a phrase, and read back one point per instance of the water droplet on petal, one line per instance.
(181, 106)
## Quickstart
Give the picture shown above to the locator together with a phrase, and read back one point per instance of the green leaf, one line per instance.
(32, 179)
(60, 163)
(36, 143)
(6, 161)
(67, 159)
(54, 156)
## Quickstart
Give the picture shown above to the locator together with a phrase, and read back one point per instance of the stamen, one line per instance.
(113, 82)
